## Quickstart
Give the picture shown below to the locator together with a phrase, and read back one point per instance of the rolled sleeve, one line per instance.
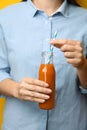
(4, 65)
(82, 88)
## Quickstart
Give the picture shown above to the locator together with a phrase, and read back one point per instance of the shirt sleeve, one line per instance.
(4, 65)
(84, 90)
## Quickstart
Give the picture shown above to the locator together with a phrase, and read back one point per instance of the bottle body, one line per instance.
(47, 74)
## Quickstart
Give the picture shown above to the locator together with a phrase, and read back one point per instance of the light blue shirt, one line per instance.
(25, 32)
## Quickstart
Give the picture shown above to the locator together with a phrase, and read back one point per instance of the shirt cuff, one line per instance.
(2, 96)
(83, 90)
(4, 75)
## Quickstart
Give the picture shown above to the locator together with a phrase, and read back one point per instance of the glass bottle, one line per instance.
(47, 74)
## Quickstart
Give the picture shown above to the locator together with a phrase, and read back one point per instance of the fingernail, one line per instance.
(47, 97)
(42, 101)
(49, 91)
(46, 84)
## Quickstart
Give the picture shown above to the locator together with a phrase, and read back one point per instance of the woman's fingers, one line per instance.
(35, 82)
(34, 99)
(64, 43)
(33, 90)
(35, 87)
(57, 43)
(72, 49)
(25, 94)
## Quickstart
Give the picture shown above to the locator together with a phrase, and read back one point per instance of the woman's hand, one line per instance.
(73, 51)
(33, 90)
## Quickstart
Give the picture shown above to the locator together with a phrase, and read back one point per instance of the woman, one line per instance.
(24, 28)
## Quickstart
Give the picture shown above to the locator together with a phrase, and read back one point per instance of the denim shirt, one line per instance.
(25, 32)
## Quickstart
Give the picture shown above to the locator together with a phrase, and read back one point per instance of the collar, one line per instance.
(63, 9)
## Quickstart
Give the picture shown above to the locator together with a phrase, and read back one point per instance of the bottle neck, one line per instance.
(47, 58)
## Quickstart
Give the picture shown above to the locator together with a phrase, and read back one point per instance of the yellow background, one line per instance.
(4, 3)
(2, 102)
(82, 3)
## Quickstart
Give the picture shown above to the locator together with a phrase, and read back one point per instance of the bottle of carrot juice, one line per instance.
(47, 74)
